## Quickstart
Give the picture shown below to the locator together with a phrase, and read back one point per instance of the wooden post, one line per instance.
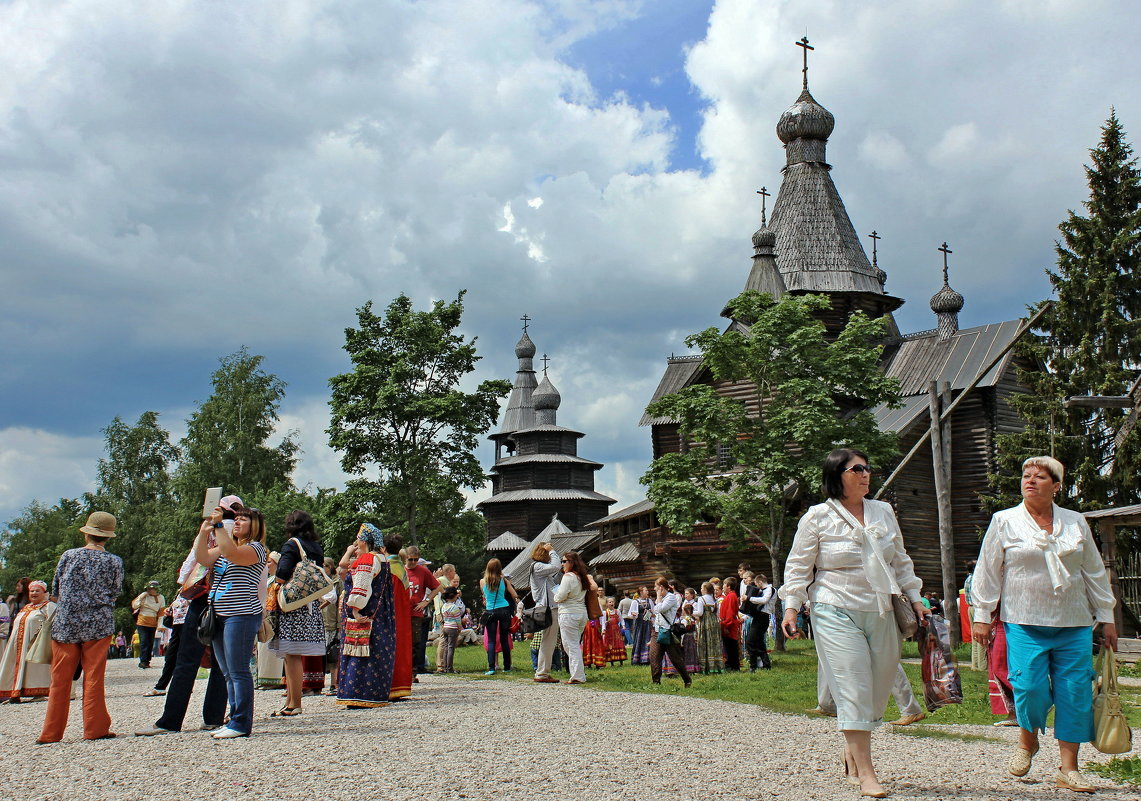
(939, 464)
(1108, 536)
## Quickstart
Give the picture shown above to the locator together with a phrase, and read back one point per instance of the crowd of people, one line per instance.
(275, 620)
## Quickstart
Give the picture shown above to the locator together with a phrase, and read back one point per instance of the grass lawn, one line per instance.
(790, 687)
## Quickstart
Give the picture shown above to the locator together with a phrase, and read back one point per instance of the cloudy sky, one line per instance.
(179, 178)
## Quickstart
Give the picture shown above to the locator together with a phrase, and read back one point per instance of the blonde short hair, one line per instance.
(1047, 463)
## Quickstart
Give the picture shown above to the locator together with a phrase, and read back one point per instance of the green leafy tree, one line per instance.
(1089, 342)
(135, 485)
(401, 415)
(31, 544)
(227, 437)
(745, 463)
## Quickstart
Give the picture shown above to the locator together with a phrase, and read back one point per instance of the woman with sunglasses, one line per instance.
(848, 559)
(571, 598)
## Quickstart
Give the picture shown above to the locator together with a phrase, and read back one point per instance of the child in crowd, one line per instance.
(452, 612)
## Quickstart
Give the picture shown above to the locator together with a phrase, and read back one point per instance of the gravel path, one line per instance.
(545, 741)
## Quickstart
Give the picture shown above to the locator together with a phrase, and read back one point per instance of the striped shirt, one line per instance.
(237, 588)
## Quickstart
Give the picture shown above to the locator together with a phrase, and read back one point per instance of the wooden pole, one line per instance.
(943, 500)
(962, 396)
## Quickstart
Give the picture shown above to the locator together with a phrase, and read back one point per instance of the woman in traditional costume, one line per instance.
(402, 606)
(612, 636)
(368, 620)
(643, 628)
(19, 678)
(593, 645)
(708, 630)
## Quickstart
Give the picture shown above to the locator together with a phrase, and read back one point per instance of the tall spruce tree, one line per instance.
(1088, 342)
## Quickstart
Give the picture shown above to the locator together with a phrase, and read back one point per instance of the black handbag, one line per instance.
(537, 618)
(208, 623)
(677, 630)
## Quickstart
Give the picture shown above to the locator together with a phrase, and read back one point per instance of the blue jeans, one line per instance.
(233, 643)
(188, 657)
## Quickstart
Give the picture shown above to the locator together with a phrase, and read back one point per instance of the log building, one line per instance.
(538, 474)
(810, 246)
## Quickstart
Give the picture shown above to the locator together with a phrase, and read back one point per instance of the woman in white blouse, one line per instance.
(1040, 565)
(571, 600)
(848, 559)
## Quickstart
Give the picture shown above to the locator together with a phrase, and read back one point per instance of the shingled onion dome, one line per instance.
(804, 129)
(546, 400)
(525, 348)
(881, 275)
(947, 303)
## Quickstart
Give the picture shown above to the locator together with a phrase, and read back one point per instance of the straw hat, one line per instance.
(100, 524)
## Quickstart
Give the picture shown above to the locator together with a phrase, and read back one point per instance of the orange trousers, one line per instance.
(66, 657)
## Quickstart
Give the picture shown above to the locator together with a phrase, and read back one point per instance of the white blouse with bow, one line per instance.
(1041, 578)
(848, 565)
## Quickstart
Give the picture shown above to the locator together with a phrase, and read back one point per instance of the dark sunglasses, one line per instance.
(860, 469)
(566, 560)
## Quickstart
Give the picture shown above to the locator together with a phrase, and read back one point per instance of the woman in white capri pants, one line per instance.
(848, 559)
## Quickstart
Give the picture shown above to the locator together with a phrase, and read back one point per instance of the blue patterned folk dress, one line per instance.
(367, 653)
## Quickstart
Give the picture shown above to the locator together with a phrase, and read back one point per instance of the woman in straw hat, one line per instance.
(87, 582)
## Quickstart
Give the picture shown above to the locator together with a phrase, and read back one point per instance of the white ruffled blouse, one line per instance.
(1041, 578)
(855, 568)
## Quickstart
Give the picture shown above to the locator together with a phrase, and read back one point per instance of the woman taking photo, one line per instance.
(499, 599)
(571, 598)
(148, 608)
(87, 582)
(546, 571)
(19, 678)
(848, 559)
(1039, 565)
(238, 563)
(300, 635)
(664, 642)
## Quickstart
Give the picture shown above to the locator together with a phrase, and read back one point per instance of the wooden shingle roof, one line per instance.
(922, 358)
(680, 372)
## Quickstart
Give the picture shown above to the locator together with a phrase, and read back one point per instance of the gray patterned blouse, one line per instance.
(87, 582)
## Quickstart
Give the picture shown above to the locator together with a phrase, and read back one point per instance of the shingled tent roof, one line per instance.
(817, 249)
(922, 358)
(506, 542)
(518, 570)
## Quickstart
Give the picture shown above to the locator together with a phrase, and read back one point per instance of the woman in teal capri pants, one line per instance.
(1040, 567)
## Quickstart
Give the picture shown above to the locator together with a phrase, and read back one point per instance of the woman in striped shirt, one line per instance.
(239, 574)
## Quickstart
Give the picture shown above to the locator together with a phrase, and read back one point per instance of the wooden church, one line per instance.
(538, 475)
(810, 246)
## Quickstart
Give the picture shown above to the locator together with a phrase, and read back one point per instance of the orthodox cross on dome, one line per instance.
(804, 44)
(765, 195)
(544, 360)
(875, 237)
(526, 321)
(945, 251)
